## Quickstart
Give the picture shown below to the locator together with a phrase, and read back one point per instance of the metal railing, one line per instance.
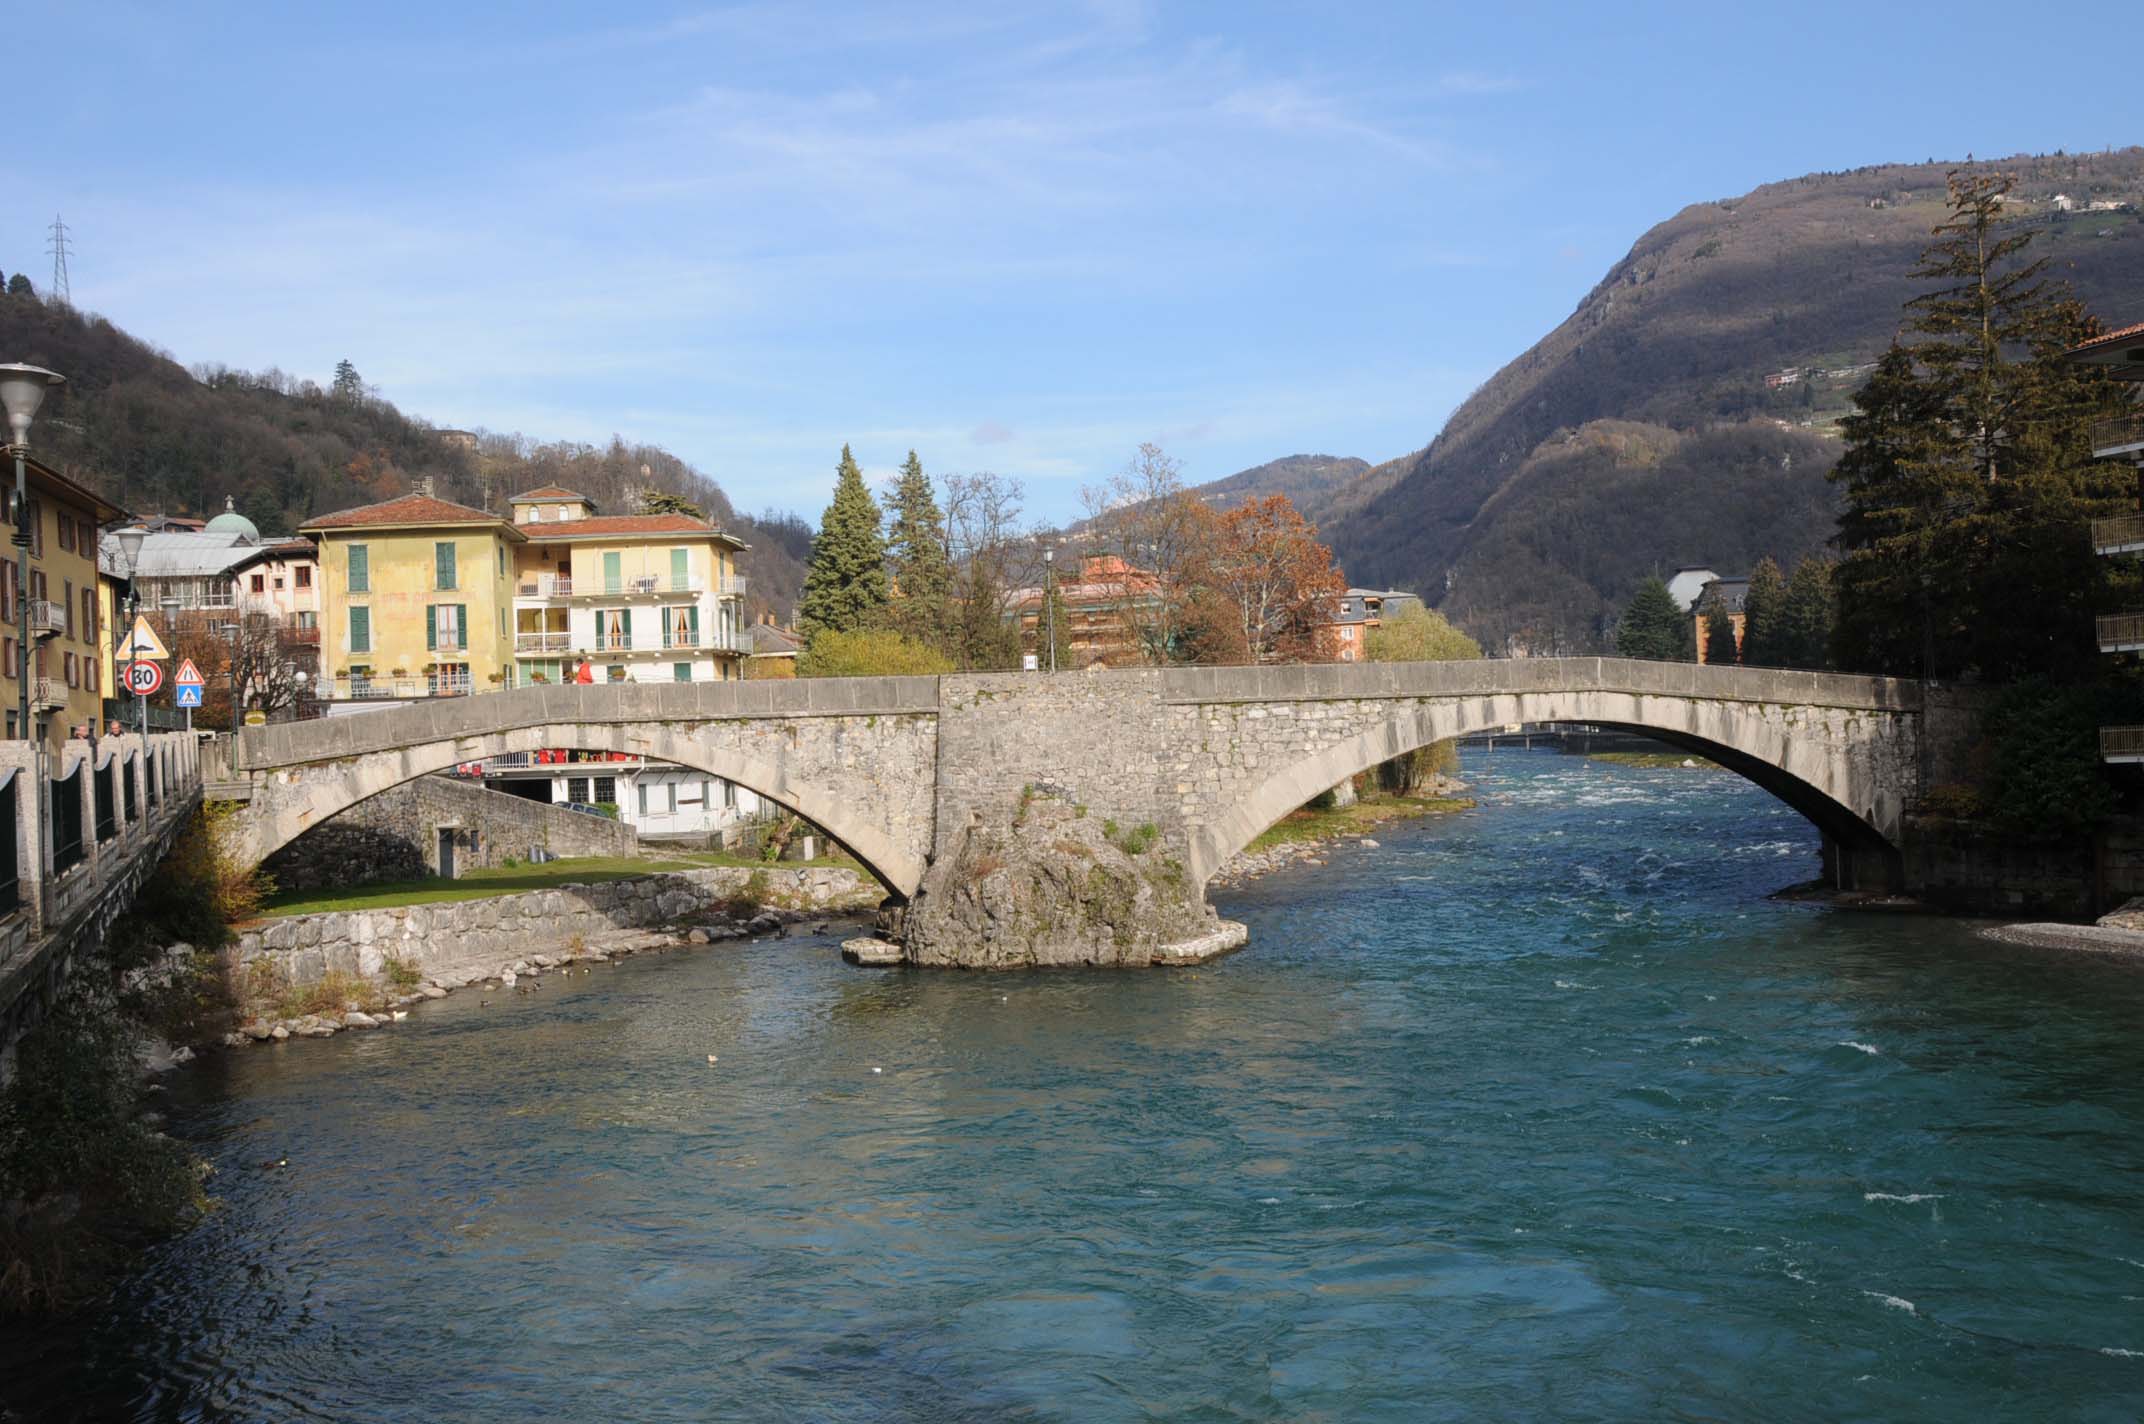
(2121, 534)
(545, 586)
(101, 787)
(2121, 743)
(613, 643)
(2118, 435)
(10, 872)
(451, 684)
(685, 638)
(64, 796)
(731, 587)
(645, 585)
(545, 641)
(2121, 632)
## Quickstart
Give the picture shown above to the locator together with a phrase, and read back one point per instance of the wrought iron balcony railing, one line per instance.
(2118, 435)
(2123, 534)
(2121, 743)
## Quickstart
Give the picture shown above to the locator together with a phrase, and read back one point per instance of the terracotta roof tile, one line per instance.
(2126, 333)
(615, 524)
(409, 509)
(550, 492)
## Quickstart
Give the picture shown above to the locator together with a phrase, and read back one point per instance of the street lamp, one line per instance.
(22, 391)
(170, 604)
(130, 541)
(1049, 601)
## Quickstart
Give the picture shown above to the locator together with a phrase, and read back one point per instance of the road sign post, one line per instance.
(186, 685)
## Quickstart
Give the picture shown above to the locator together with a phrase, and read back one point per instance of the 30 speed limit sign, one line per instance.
(142, 678)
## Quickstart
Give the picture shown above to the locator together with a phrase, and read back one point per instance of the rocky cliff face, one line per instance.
(1057, 886)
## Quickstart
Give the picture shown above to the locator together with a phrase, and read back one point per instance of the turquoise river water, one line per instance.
(1539, 1111)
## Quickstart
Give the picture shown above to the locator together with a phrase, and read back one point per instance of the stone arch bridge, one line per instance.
(898, 770)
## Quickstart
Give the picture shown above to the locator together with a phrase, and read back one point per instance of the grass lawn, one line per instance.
(1306, 824)
(511, 880)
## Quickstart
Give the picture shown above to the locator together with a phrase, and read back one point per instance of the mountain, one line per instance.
(1686, 412)
(157, 438)
(1309, 481)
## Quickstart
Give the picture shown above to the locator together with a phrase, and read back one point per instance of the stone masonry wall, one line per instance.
(386, 837)
(454, 937)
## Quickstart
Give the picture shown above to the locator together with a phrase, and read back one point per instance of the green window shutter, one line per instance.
(678, 574)
(613, 573)
(681, 672)
(461, 624)
(360, 568)
(360, 630)
(443, 564)
(431, 626)
(625, 626)
(695, 612)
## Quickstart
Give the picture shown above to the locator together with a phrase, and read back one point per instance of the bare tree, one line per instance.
(989, 552)
(1154, 531)
(248, 659)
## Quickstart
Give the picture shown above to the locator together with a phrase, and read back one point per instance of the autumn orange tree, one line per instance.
(1262, 561)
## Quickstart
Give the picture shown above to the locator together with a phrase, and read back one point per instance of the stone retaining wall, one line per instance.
(450, 938)
(396, 833)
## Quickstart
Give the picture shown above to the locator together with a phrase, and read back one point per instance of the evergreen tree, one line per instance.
(660, 501)
(1806, 615)
(916, 556)
(845, 583)
(1653, 626)
(348, 386)
(1763, 643)
(19, 286)
(1720, 648)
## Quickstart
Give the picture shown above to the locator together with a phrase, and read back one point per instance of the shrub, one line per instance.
(1136, 841)
(402, 974)
(2048, 782)
(869, 652)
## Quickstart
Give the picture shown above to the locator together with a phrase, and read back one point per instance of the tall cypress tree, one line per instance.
(917, 558)
(845, 583)
(1762, 642)
(1721, 649)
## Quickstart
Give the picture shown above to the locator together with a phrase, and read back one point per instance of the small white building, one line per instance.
(658, 799)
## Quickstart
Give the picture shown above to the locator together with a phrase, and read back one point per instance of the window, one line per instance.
(681, 672)
(643, 798)
(260, 583)
(307, 618)
(89, 615)
(446, 625)
(66, 533)
(502, 561)
(614, 673)
(278, 583)
(360, 569)
(729, 795)
(614, 629)
(448, 680)
(67, 607)
(681, 626)
(304, 575)
(606, 789)
(67, 667)
(90, 673)
(360, 630)
(680, 580)
(613, 573)
(577, 789)
(7, 657)
(443, 564)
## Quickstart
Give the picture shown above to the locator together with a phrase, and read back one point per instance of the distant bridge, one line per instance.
(896, 768)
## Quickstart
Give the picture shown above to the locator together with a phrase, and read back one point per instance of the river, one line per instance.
(1542, 1110)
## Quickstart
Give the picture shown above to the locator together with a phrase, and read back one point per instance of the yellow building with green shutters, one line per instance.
(422, 597)
(416, 599)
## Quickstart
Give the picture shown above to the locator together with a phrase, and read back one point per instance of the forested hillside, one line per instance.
(1308, 481)
(1686, 412)
(159, 439)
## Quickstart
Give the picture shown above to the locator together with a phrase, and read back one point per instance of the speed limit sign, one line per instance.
(142, 678)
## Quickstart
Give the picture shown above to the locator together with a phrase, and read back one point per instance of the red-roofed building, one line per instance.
(425, 597)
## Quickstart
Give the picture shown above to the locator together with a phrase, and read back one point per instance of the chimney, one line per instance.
(424, 487)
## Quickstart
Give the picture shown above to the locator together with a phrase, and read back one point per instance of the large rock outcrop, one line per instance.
(1059, 886)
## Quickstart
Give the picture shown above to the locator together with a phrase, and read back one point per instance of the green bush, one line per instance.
(2049, 784)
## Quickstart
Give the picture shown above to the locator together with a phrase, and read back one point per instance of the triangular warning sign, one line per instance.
(142, 642)
(188, 675)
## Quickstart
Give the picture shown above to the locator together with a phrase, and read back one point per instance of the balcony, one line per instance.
(2118, 435)
(2121, 744)
(552, 641)
(48, 692)
(2123, 534)
(449, 684)
(302, 635)
(2121, 633)
(545, 586)
(47, 619)
(730, 587)
(643, 586)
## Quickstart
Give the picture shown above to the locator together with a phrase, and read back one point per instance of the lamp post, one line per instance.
(22, 391)
(130, 541)
(170, 604)
(1049, 600)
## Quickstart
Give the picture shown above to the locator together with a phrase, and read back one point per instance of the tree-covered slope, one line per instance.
(1524, 519)
(157, 438)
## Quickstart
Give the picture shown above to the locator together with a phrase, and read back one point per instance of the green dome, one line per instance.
(232, 522)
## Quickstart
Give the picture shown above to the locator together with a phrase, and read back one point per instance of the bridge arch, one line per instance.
(856, 757)
(1832, 781)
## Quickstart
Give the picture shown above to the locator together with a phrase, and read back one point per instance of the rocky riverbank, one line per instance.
(1310, 836)
(308, 976)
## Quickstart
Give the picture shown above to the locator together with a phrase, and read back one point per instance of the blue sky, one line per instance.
(1016, 238)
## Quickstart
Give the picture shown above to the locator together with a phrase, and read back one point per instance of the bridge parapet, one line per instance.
(1323, 682)
(110, 810)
